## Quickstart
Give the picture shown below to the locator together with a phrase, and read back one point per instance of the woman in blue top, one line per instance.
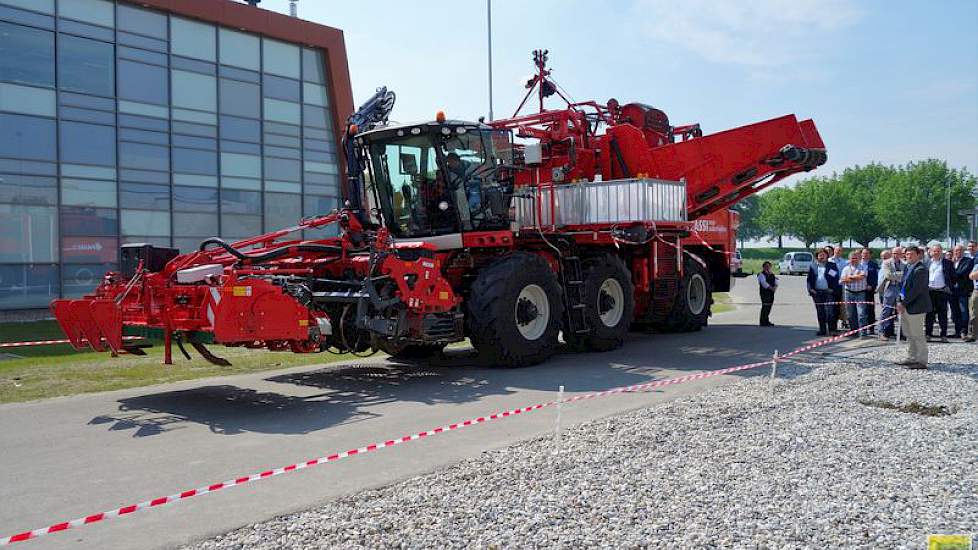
(823, 282)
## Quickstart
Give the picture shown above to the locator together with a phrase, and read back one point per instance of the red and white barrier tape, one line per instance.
(833, 339)
(696, 233)
(179, 497)
(839, 303)
(807, 303)
(51, 342)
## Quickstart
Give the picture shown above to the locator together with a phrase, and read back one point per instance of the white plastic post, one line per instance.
(774, 373)
(899, 328)
(560, 404)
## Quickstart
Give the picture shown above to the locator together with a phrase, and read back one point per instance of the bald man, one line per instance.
(940, 281)
(891, 275)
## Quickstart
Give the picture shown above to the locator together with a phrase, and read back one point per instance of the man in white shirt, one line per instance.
(940, 281)
(854, 284)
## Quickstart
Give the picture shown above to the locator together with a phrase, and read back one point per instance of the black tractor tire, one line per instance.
(413, 352)
(600, 299)
(694, 289)
(505, 324)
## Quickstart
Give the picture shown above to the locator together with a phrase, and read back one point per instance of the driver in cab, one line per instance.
(463, 173)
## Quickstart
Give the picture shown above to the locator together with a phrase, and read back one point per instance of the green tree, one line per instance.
(855, 193)
(810, 210)
(913, 200)
(750, 228)
(775, 213)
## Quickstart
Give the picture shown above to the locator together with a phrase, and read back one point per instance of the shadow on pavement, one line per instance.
(349, 393)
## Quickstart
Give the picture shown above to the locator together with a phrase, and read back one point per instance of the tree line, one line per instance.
(862, 204)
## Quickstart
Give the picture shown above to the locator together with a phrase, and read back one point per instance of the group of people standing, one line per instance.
(920, 286)
(922, 289)
(844, 289)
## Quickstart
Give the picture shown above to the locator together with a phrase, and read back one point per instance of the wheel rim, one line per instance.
(532, 312)
(611, 302)
(696, 294)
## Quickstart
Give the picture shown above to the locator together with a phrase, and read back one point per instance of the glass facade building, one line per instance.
(123, 124)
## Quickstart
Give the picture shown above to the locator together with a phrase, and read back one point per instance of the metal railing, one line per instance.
(600, 203)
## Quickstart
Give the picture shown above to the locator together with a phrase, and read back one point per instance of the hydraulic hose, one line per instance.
(223, 244)
(271, 254)
(291, 249)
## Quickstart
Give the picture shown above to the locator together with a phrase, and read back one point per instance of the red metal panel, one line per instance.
(254, 309)
(276, 25)
(108, 319)
(69, 325)
(812, 137)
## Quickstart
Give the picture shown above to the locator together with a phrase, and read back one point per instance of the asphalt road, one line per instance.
(69, 457)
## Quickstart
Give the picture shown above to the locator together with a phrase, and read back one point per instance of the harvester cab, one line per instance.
(438, 178)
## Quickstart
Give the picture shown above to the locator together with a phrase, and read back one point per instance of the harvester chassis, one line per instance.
(451, 230)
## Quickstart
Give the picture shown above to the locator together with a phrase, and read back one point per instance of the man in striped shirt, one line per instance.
(854, 284)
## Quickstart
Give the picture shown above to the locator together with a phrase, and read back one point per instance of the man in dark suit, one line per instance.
(940, 280)
(914, 304)
(823, 282)
(961, 291)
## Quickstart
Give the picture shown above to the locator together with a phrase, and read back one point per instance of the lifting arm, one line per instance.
(372, 113)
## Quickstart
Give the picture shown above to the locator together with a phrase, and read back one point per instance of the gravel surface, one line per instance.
(831, 460)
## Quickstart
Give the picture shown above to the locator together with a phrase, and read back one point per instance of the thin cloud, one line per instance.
(759, 33)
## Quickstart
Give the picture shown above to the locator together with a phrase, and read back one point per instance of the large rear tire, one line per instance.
(610, 299)
(691, 310)
(514, 311)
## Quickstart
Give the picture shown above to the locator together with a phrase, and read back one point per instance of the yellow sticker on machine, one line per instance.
(241, 290)
(443, 295)
(303, 322)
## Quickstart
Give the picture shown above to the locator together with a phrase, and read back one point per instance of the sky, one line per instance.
(886, 82)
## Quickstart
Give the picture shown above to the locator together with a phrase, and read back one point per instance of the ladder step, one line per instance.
(573, 278)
